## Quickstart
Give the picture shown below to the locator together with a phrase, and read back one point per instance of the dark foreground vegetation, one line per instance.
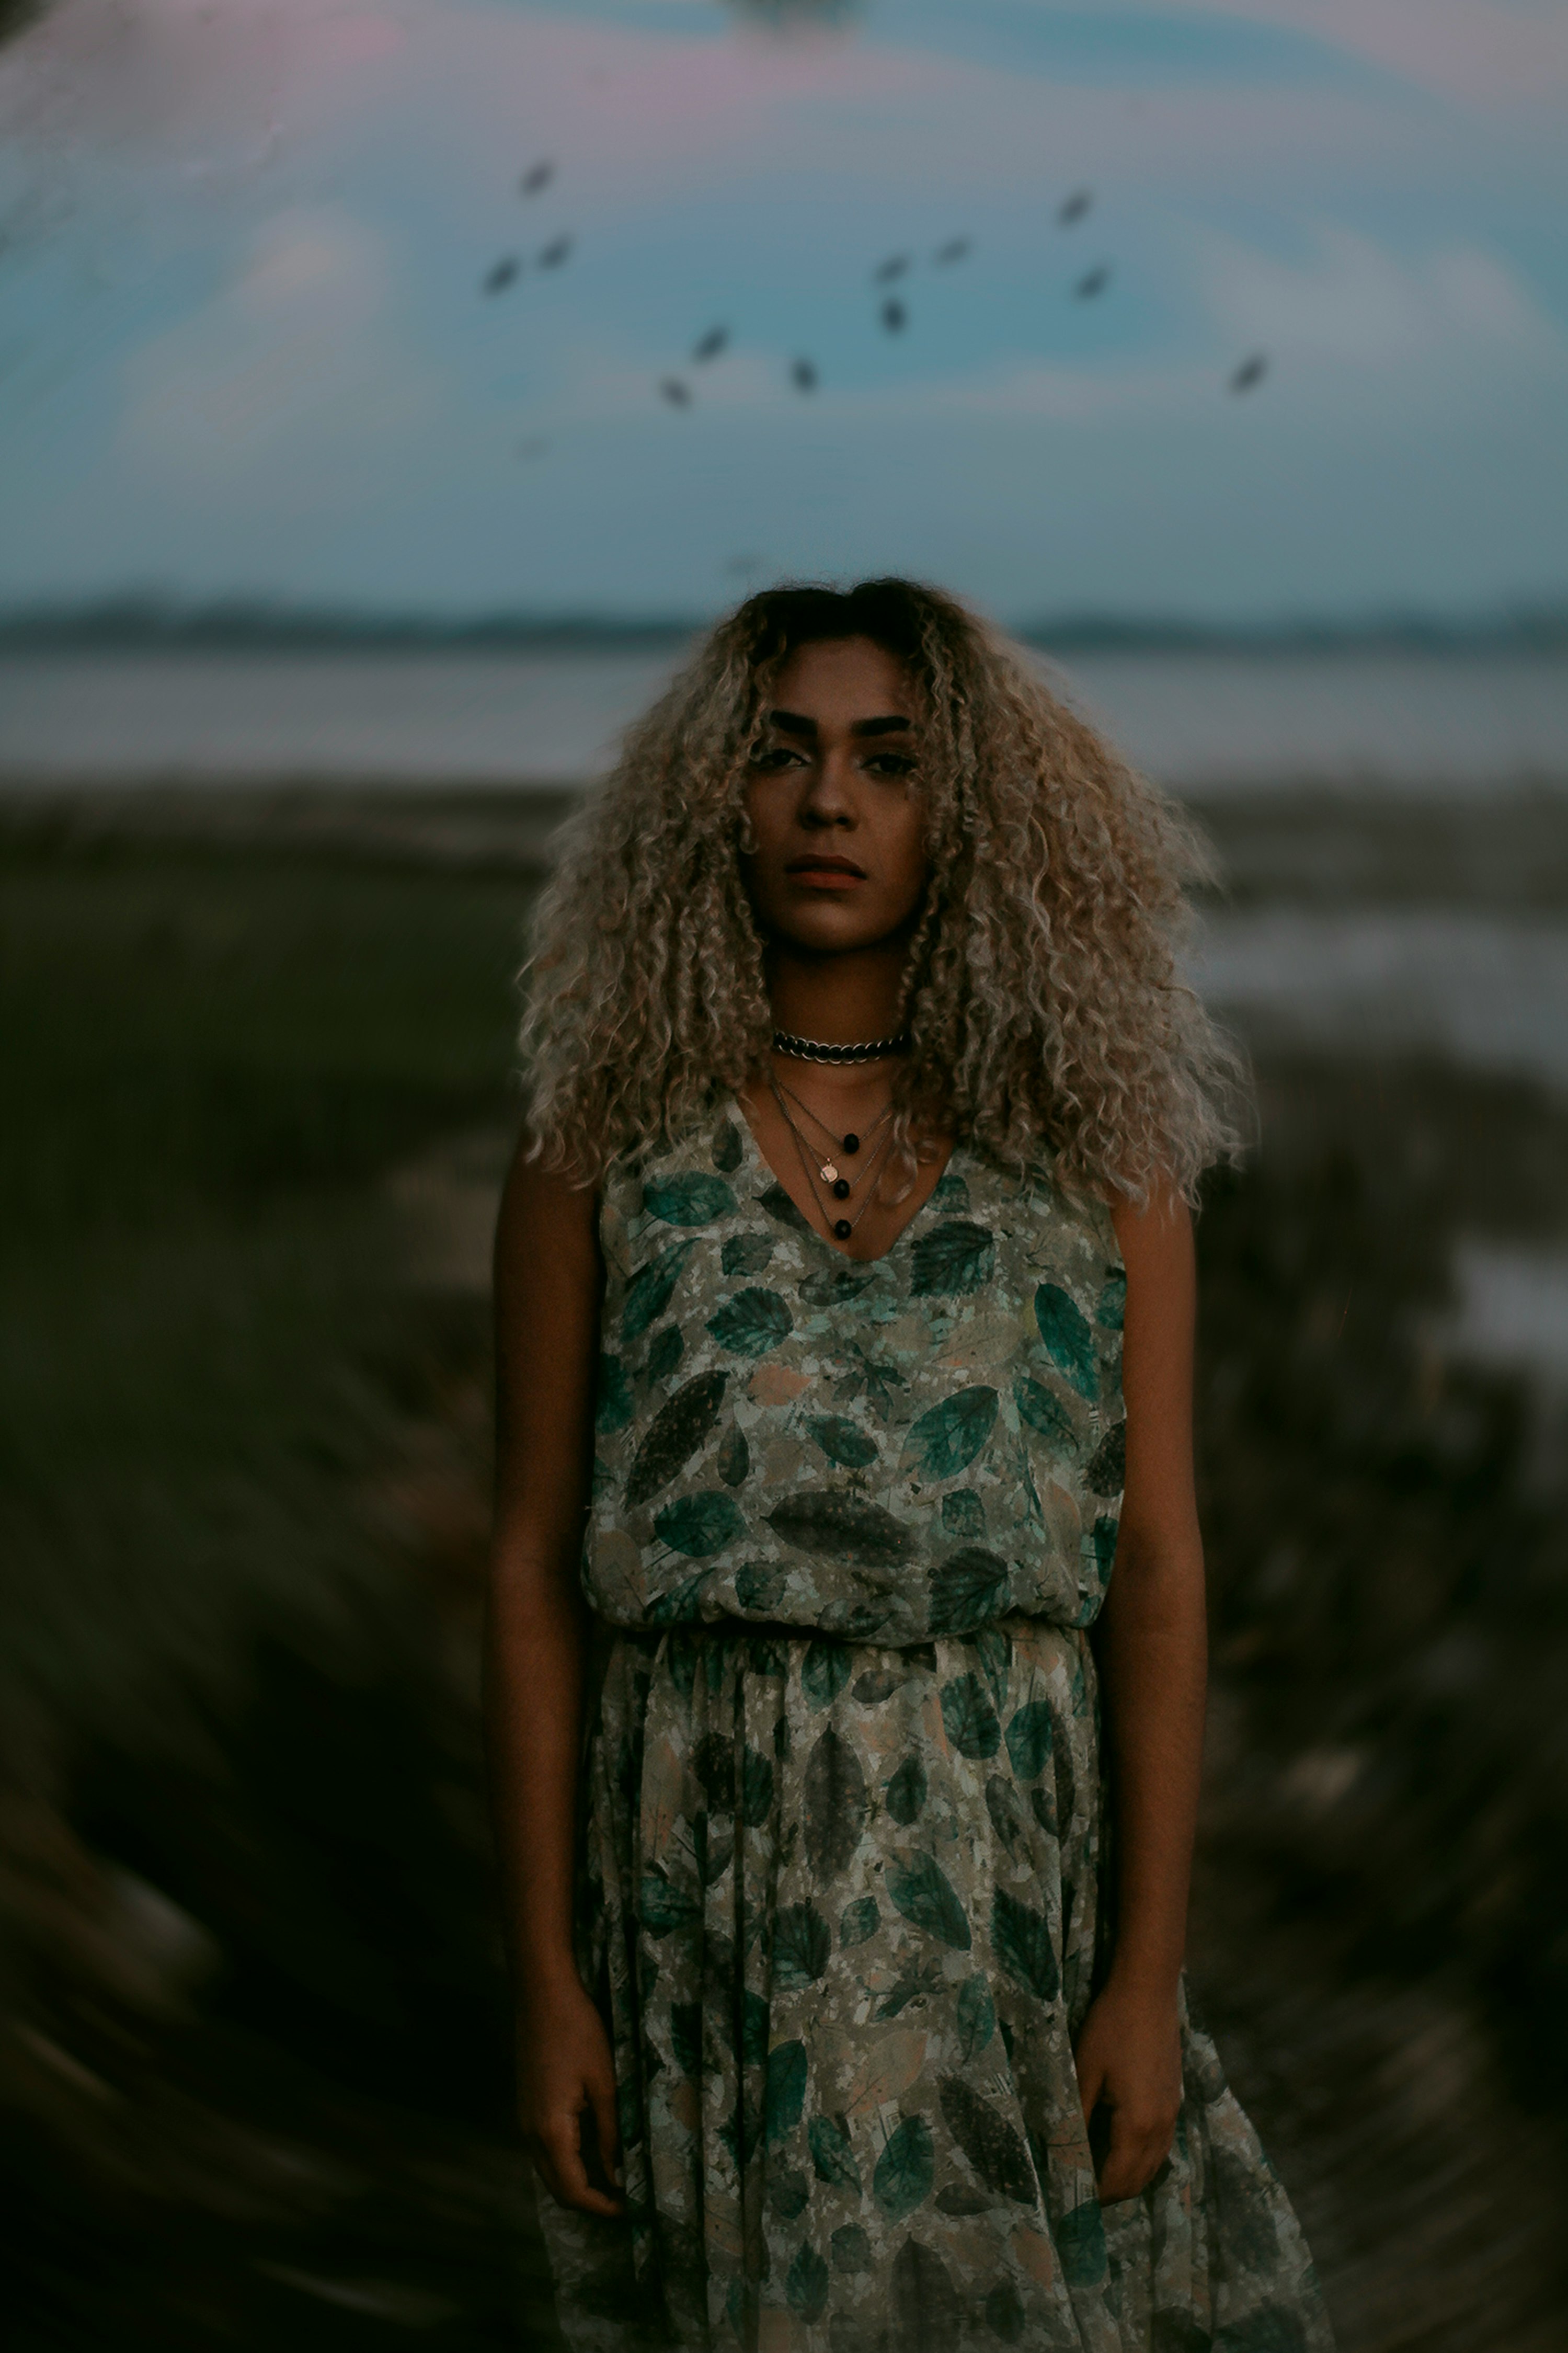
(253, 2073)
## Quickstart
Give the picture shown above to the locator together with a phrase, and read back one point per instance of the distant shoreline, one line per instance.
(1322, 844)
(135, 624)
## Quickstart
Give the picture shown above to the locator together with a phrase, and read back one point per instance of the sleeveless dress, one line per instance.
(842, 1823)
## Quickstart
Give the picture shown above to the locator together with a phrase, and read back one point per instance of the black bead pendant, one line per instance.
(851, 1144)
(843, 1228)
(841, 1188)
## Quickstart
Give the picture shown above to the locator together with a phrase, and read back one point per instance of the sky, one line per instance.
(245, 348)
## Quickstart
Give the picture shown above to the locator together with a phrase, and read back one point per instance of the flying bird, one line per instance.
(711, 344)
(537, 177)
(1075, 207)
(1252, 371)
(802, 375)
(886, 271)
(1093, 282)
(552, 255)
(500, 274)
(679, 394)
(954, 249)
(895, 318)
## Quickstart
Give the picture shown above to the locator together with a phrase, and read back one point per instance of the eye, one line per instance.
(891, 764)
(774, 757)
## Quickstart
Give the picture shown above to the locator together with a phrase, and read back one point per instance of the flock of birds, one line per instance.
(892, 308)
(510, 268)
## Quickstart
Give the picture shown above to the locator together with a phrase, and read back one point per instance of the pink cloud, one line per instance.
(152, 78)
(677, 109)
(1485, 51)
(218, 91)
(639, 117)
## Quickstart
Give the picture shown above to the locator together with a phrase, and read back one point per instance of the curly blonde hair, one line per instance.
(1041, 995)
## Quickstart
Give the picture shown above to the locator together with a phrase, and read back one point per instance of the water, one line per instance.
(1222, 721)
(1487, 991)
(1352, 929)
(1406, 722)
(1512, 1308)
(219, 719)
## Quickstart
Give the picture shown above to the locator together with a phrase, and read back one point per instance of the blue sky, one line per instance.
(244, 348)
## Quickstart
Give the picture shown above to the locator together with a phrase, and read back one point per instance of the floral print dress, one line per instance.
(842, 1821)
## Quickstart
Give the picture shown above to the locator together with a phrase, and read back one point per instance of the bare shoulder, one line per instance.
(1158, 1505)
(548, 1219)
(1156, 1244)
(549, 1274)
(1155, 1240)
(548, 1284)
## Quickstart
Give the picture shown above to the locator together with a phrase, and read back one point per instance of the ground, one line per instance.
(257, 1078)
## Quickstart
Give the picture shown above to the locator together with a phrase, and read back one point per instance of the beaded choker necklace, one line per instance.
(814, 1050)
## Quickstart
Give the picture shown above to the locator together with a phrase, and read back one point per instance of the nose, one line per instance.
(829, 796)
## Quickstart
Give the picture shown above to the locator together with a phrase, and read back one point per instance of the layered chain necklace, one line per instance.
(825, 1171)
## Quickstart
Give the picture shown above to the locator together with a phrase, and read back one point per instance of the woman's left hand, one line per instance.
(1128, 2059)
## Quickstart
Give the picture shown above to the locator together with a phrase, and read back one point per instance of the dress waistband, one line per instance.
(772, 1632)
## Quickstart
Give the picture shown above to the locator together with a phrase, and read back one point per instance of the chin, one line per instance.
(830, 938)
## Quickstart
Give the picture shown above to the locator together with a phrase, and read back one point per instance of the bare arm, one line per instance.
(548, 1284)
(1153, 1652)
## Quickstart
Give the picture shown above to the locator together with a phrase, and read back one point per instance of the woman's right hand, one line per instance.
(565, 2071)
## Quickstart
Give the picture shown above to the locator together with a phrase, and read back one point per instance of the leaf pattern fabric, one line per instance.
(870, 1420)
(841, 1815)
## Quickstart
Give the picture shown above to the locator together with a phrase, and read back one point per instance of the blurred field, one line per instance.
(253, 2066)
(254, 2074)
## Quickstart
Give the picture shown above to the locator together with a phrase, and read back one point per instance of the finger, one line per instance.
(1090, 2083)
(607, 2126)
(544, 2169)
(563, 2143)
(1119, 2168)
(1132, 2163)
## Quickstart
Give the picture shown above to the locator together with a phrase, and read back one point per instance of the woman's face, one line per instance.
(838, 816)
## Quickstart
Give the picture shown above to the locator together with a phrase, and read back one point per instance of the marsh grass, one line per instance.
(254, 2069)
(1380, 1929)
(256, 2083)
(207, 1064)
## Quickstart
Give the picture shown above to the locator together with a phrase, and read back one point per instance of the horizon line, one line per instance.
(148, 618)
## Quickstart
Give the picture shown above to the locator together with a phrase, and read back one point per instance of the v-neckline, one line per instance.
(764, 1168)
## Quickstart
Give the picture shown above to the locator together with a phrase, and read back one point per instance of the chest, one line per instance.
(996, 1302)
(845, 1183)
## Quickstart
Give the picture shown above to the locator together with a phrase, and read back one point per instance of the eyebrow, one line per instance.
(794, 723)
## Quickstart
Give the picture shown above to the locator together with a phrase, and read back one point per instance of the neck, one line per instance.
(840, 1000)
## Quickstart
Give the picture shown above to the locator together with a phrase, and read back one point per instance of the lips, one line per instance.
(843, 867)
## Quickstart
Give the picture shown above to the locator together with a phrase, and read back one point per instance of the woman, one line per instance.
(845, 1309)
